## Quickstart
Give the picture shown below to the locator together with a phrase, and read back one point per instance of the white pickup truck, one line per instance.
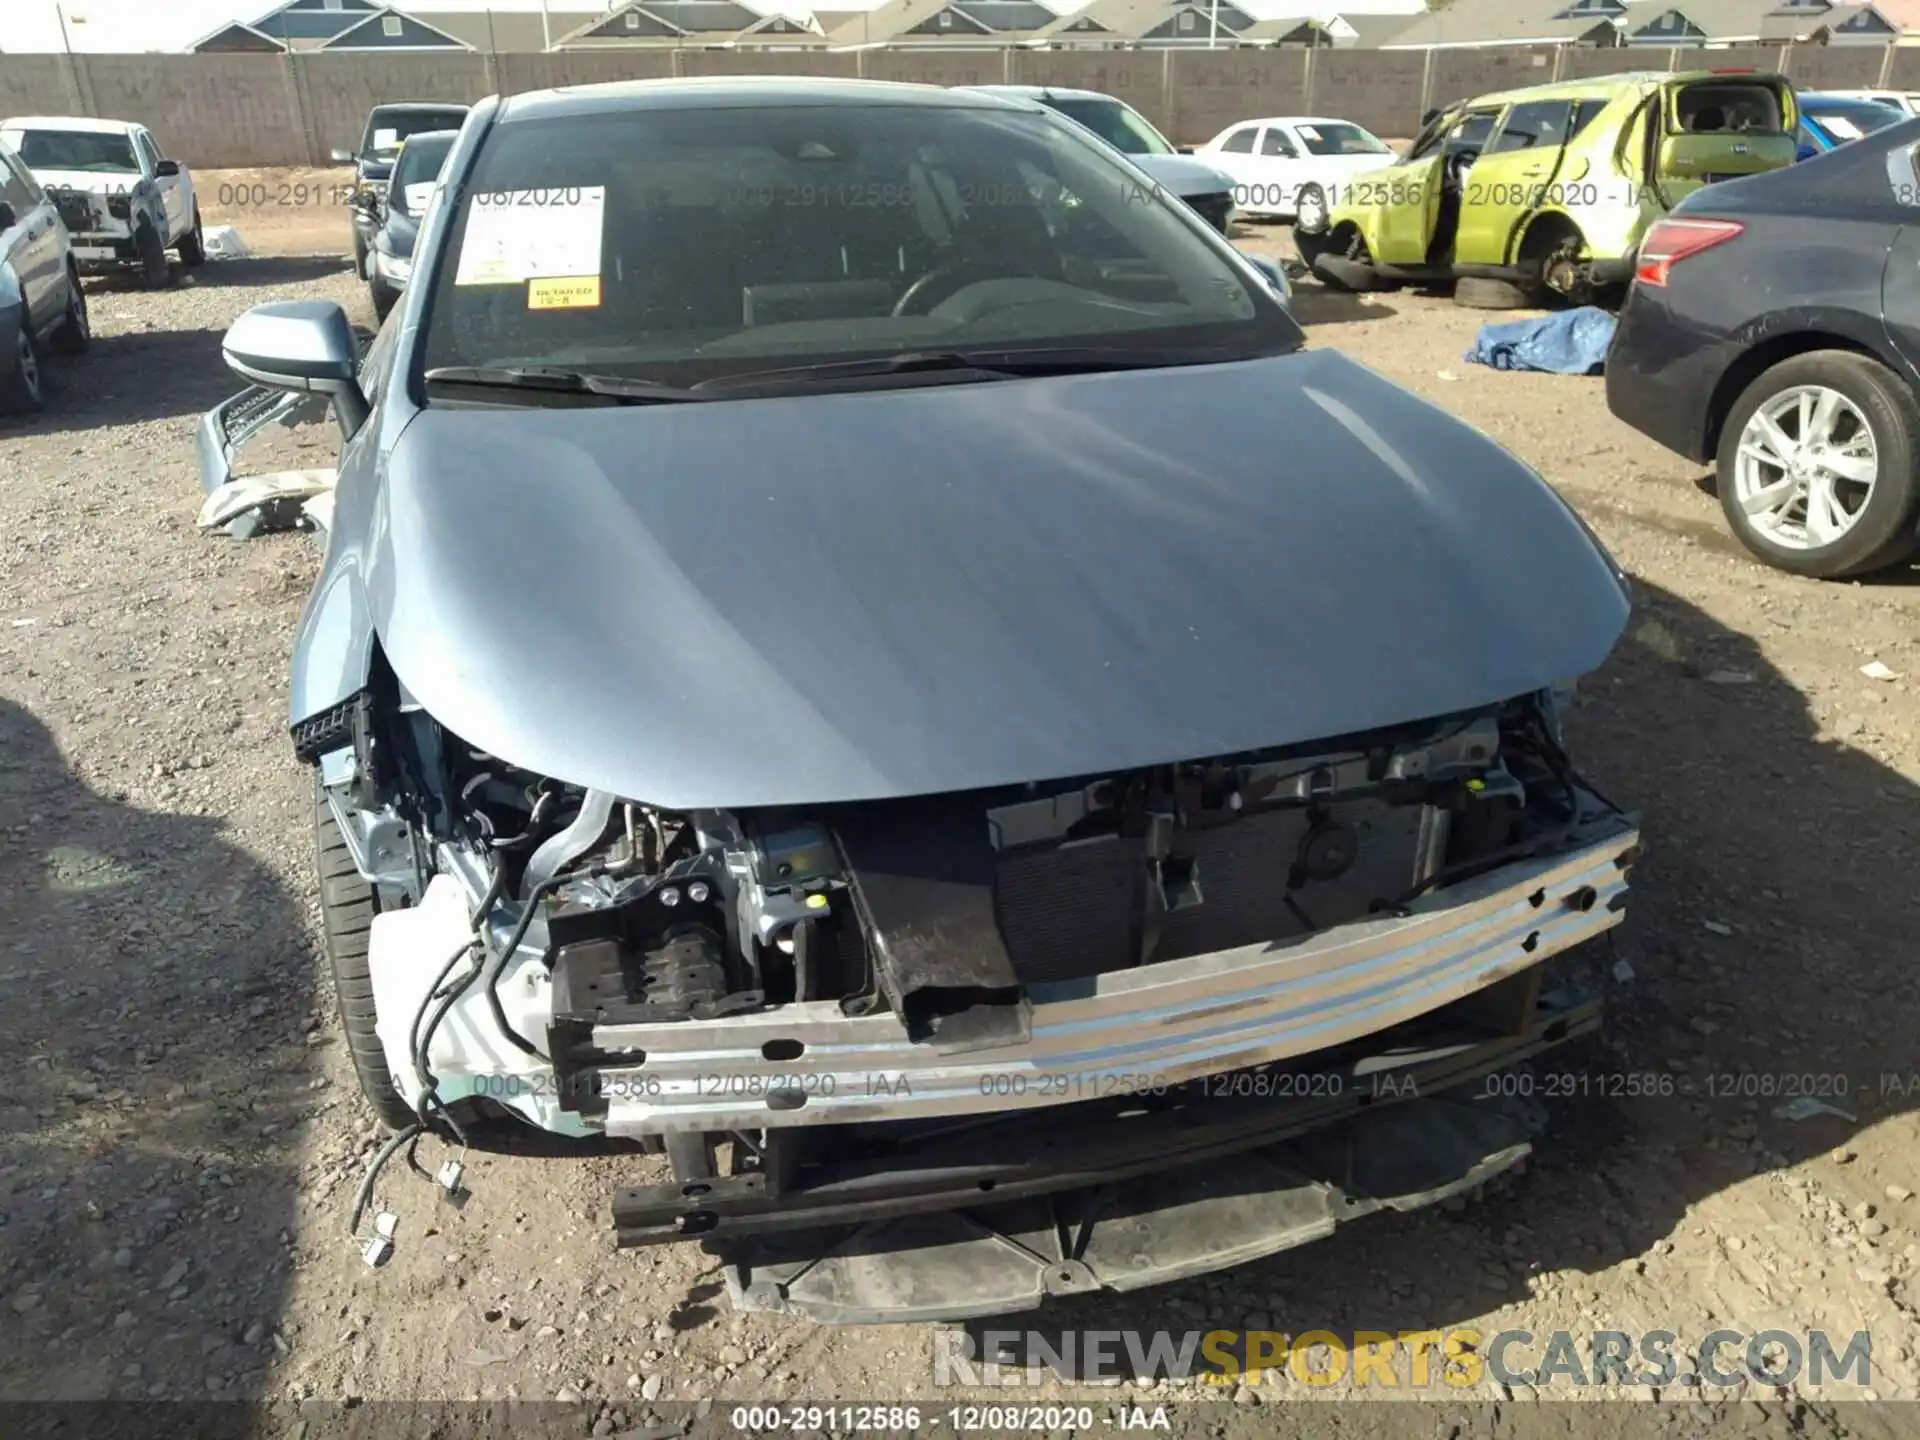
(122, 202)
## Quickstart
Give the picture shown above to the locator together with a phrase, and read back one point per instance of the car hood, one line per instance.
(89, 182)
(1184, 174)
(803, 599)
(399, 231)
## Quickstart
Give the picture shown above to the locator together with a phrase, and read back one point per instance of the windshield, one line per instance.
(1124, 129)
(1849, 119)
(388, 128)
(416, 170)
(103, 153)
(686, 245)
(1322, 138)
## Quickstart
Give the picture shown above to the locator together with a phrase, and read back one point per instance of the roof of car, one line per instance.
(1831, 97)
(1047, 92)
(406, 106)
(1607, 84)
(1294, 120)
(67, 122)
(727, 91)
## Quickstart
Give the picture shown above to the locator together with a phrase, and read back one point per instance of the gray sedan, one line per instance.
(859, 648)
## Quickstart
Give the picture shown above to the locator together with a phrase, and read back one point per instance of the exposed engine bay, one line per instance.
(805, 991)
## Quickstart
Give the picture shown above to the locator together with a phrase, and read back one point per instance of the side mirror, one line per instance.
(7, 218)
(340, 157)
(1271, 269)
(167, 168)
(1184, 149)
(1806, 152)
(300, 345)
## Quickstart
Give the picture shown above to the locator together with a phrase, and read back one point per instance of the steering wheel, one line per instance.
(944, 281)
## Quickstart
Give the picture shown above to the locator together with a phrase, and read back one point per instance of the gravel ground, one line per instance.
(180, 1149)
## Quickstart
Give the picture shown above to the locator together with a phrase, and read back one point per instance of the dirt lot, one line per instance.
(182, 1140)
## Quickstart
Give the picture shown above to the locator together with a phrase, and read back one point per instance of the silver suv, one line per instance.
(41, 303)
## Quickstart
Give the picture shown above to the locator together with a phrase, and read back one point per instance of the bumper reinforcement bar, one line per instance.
(1113, 1202)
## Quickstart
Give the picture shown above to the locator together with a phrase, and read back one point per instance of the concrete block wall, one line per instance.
(218, 111)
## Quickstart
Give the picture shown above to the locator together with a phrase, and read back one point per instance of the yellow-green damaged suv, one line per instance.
(1545, 189)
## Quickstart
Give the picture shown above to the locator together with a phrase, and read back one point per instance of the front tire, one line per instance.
(348, 904)
(154, 265)
(193, 244)
(75, 334)
(1841, 500)
(23, 388)
(384, 298)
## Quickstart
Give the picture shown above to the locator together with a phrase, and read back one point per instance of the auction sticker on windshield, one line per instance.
(571, 292)
(515, 236)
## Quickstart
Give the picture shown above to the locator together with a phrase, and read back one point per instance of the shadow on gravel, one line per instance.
(155, 991)
(226, 274)
(135, 376)
(1314, 304)
(1770, 936)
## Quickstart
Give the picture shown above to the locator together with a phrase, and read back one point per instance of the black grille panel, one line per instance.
(1214, 209)
(1070, 911)
(1073, 911)
(75, 213)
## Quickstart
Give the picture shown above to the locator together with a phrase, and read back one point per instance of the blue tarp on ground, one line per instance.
(1572, 342)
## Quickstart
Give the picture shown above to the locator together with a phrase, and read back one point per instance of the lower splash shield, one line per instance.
(1222, 1182)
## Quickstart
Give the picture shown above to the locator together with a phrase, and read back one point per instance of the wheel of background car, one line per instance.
(75, 332)
(347, 907)
(23, 387)
(153, 256)
(193, 245)
(1309, 210)
(384, 298)
(1816, 466)
(1477, 292)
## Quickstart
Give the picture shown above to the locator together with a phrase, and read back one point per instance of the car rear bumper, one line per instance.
(1126, 1033)
(1659, 379)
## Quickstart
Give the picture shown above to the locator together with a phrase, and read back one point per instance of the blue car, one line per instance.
(1829, 121)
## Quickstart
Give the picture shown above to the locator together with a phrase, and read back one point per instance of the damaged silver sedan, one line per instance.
(858, 648)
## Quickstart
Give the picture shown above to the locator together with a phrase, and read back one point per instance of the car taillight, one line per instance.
(1671, 241)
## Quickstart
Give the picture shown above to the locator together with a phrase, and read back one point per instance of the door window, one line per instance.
(1537, 125)
(1240, 142)
(1472, 132)
(17, 189)
(1275, 142)
(149, 160)
(1584, 114)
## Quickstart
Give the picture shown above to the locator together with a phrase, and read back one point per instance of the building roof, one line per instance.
(237, 35)
(1732, 21)
(1141, 19)
(511, 31)
(1371, 31)
(315, 21)
(910, 22)
(653, 21)
(369, 33)
(1512, 22)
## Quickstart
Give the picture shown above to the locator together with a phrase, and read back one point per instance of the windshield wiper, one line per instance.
(557, 380)
(995, 364)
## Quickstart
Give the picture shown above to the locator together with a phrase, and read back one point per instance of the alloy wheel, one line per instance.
(1806, 467)
(28, 360)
